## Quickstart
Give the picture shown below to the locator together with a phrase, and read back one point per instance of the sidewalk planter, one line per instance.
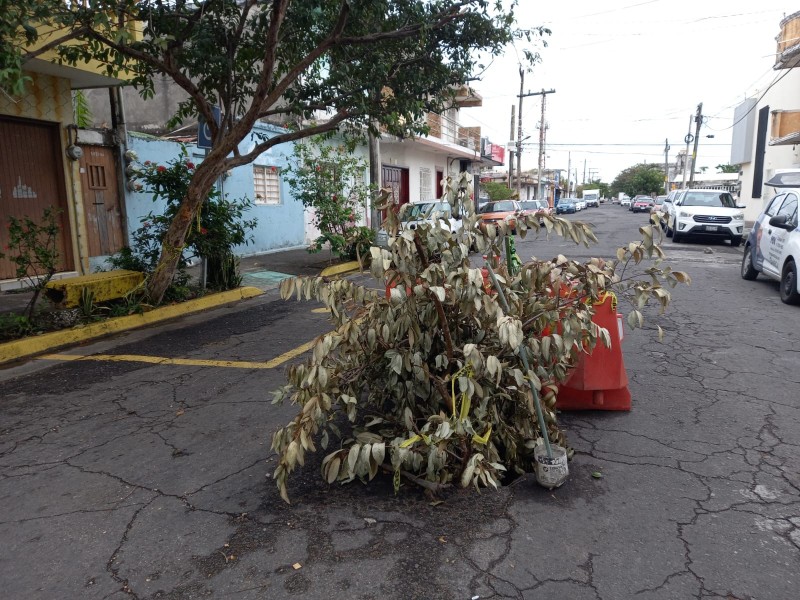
(599, 380)
(104, 286)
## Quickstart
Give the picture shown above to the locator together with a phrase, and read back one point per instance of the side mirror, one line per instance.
(742, 206)
(781, 222)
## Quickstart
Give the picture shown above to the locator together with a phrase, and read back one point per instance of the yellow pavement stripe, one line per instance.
(17, 349)
(186, 362)
(159, 360)
(279, 360)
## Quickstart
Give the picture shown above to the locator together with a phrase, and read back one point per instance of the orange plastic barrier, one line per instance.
(599, 381)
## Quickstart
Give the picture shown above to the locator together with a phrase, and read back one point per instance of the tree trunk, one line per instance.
(172, 246)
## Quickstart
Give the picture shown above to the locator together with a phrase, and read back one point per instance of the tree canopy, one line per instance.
(639, 179)
(312, 65)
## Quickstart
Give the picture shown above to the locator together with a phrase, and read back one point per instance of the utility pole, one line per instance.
(666, 166)
(519, 135)
(569, 175)
(584, 171)
(688, 139)
(511, 153)
(543, 94)
(698, 119)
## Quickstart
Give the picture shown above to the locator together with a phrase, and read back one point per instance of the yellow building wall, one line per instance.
(48, 98)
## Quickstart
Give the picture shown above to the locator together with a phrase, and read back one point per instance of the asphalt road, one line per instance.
(147, 476)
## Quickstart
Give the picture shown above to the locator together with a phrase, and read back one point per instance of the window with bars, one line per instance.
(426, 184)
(266, 184)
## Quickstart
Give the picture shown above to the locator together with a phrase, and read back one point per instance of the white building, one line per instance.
(766, 130)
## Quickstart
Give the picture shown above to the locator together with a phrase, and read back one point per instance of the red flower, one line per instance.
(190, 165)
(161, 168)
(333, 197)
(203, 231)
(146, 163)
(274, 169)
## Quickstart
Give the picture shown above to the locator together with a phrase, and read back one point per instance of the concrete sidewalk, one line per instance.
(260, 273)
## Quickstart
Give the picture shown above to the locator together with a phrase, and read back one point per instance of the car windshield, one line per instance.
(423, 210)
(532, 205)
(501, 206)
(567, 201)
(710, 198)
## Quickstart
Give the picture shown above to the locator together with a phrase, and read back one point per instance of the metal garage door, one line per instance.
(31, 179)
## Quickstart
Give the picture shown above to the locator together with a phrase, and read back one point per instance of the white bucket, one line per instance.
(551, 472)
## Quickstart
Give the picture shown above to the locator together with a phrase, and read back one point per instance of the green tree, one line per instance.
(639, 179)
(377, 66)
(497, 191)
(727, 168)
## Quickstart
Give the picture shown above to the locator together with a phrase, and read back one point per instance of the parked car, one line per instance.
(625, 201)
(642, 204)
(658, 202)
(668, 206)
(706, 212)
(535, 207)
(414, 214)
(592, 201)
(566, 206)
(637, 198)
(773, 246)
(500, 210)
(580, 204)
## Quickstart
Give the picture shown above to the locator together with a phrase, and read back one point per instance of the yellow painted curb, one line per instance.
(348, 267)
(50, 341)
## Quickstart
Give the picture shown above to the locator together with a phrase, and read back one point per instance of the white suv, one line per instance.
(436, 212)
(705, 212)
(773, 246)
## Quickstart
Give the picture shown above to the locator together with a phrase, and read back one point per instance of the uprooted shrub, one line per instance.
(429, 374)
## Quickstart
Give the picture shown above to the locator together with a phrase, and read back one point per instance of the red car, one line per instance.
(642, 205)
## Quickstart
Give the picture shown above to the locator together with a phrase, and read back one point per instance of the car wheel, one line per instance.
(736, 241)
(676, 237)
(668, 229)
(748, 270)
(789, 293)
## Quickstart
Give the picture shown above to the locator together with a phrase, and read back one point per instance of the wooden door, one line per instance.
(101, 202)
(395, 179)
(32, 179)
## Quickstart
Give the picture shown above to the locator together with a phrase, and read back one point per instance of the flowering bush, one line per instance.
(220, 226)
(330, 179)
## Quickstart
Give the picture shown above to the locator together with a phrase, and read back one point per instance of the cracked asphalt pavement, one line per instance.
(127, 480)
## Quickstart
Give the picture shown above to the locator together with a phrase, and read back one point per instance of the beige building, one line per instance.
(44, 164)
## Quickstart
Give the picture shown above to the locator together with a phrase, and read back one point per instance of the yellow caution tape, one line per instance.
(483, 439)
(469, 372)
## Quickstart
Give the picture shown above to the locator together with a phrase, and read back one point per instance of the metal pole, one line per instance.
(698, 121)
(519, 135)
(666, 166)
(539, 190)
(511, 152)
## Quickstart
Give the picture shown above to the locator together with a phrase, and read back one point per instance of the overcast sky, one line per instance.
(628, 74)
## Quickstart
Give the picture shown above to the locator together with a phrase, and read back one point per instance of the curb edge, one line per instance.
(17, 349)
